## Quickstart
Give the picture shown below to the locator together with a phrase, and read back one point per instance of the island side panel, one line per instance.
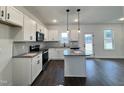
(74, 66)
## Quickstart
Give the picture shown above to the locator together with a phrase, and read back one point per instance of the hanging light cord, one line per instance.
(67, 18)
(78, 10)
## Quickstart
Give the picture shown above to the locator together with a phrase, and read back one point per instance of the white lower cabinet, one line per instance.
(56, 53)
(36, 66)
(25, 70)
(29, 29)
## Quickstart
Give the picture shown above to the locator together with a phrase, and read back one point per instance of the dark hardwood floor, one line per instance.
(100, 72)
(53, 75)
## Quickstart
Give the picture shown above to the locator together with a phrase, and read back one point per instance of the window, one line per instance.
(108, 39)
(64, 38)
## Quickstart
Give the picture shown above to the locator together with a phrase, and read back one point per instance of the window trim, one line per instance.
(113, 41)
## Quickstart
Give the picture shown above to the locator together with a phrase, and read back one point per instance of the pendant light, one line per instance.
(67, 19)
(78, 11)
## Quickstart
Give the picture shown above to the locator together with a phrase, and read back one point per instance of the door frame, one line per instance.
(93, 56)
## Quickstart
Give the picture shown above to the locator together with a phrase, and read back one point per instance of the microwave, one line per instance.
(39, 36)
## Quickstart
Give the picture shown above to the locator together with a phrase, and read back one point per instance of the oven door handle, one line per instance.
(45, 52)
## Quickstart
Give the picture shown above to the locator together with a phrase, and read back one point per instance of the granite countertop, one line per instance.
(70, 52)
(62, 47)
(28, 55)
(58, 47)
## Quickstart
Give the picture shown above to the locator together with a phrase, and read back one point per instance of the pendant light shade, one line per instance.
(78, 11)
(67, 19)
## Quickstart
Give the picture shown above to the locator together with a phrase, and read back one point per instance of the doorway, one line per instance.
(88, 44)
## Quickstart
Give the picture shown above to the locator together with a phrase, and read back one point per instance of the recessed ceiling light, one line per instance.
(54, 20)
(76, 20)
(121, 19)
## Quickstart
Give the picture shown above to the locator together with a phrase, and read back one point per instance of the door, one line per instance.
(36, 66)
(2, 13)
(88, 44)
(51, 35)
(45, 34)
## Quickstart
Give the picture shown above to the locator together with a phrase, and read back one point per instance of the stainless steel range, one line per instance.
(45, 57)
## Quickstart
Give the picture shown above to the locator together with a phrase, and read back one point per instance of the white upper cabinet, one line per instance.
(53, 35)
(40, 28)
(74, 35)
(2, 13)
(27, 32)
(46, 37)
(14, 16)
(29, 29)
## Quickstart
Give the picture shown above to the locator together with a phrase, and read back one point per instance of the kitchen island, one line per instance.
(74, 63)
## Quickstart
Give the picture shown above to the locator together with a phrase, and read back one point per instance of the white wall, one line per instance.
(97, 30)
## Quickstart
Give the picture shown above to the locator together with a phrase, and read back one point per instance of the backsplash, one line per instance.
(23, 47)
(58, 44)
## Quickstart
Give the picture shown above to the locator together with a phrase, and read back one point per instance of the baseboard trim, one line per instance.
(103, 58)
(56, 60)
(74, 81)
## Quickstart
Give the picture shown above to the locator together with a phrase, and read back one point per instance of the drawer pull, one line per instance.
(8, 16)
(2, 13)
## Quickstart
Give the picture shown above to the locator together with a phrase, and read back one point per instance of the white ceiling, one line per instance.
(88, 14)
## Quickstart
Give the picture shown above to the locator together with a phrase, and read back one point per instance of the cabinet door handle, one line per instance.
(8, 16)
(31, 37)
(38, 61)
(2, 13)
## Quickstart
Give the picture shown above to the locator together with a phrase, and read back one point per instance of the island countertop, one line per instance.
(71, 52)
